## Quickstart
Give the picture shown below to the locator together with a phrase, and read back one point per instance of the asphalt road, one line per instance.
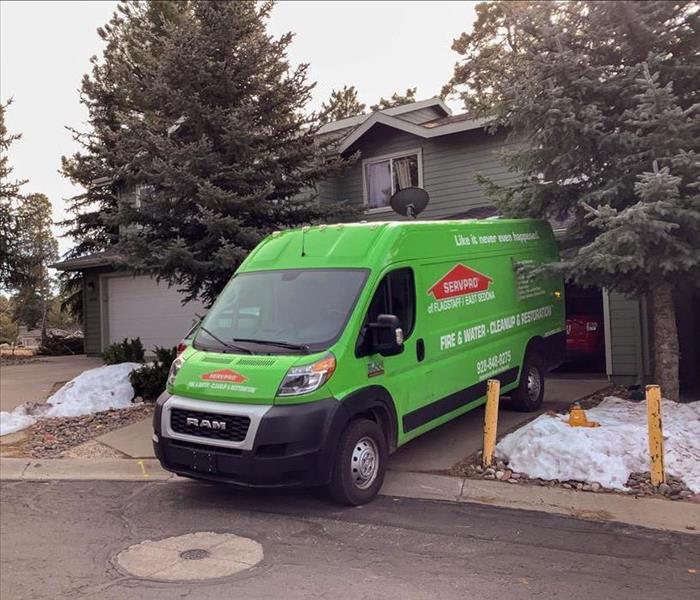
(58, 540)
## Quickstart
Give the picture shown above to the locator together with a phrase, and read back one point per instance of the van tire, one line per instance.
(527, 397)
(363, 441)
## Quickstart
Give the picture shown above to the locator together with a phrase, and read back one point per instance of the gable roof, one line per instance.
(436, 102)
(430, 129)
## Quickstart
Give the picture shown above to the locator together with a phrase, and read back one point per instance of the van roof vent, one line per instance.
(261, 361)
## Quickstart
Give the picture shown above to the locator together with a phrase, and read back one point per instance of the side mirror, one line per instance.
(386, 335)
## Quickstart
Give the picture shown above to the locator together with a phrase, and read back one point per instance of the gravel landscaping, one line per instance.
(638, 484)
(49, 438)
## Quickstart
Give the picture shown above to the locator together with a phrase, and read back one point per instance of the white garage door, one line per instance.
(141, 307)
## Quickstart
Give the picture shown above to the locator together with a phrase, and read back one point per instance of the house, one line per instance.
(419, 144)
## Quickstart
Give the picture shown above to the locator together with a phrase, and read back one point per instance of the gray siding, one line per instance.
(628, 348)
(423, 115)
(450, 165)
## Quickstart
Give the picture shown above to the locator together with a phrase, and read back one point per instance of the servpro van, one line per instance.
(334, 345)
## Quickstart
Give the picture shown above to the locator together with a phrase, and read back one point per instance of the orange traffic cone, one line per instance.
(577, 417)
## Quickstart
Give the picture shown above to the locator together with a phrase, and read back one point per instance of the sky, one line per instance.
(45, 48)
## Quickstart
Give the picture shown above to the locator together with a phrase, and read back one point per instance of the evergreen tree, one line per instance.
(198, 110)
(11, 267)
(341, 105)
(38, 248)
(395, 100)
(602, 98)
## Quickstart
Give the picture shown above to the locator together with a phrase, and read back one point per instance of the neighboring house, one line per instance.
(419, 144)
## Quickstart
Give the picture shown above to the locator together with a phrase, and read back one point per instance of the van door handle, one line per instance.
(420, 349)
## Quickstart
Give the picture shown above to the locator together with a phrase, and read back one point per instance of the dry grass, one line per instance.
(16, 353)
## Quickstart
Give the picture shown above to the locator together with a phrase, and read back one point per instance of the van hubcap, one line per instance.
(534, 383)
(364, 463)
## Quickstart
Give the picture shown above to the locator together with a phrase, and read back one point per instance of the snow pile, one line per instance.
(548, 448)
(15, 420)
(92, 391)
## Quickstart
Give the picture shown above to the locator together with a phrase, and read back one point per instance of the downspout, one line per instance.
(607, 334)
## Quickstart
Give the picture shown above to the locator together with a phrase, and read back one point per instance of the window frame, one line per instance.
(360, 342)
(390, 157)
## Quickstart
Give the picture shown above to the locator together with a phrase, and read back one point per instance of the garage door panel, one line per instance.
(153, 311)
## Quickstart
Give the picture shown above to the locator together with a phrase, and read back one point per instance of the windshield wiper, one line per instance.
(302, 347)
(225, 344)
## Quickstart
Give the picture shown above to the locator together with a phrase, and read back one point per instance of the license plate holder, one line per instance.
(204, 462)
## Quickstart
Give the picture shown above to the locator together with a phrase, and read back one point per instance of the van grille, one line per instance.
(232, 428)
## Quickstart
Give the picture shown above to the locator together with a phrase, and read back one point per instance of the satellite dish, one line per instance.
(410, 201)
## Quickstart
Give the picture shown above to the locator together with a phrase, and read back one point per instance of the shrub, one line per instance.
(126, 351)
(149, 381)
(59, 345)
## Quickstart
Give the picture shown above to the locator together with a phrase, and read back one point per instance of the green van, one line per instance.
(334, 345)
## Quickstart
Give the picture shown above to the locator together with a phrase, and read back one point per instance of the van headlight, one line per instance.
(307, 378)
(174, 369)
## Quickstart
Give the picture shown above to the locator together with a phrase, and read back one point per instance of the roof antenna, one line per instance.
(304, 229)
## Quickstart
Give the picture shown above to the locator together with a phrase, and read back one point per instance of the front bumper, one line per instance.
(287, 446)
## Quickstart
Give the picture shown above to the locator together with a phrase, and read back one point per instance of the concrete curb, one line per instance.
(78, 469)
(653, 513)
(644, 512)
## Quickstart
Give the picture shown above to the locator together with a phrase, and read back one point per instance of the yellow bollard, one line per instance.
(493, 391)
(656, 440)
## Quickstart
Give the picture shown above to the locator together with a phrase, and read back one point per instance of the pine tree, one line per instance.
(38, 248)
(11, 267)
(602, 100)
(342, 104)
(199, 110)
(395, 100)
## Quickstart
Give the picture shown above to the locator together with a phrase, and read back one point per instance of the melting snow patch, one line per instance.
(15, 420)
(92, 391)
(548, 448)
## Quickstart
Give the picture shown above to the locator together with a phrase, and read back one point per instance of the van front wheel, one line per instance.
(360, 463)
(527, 397)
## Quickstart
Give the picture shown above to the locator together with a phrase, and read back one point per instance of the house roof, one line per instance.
(430, 129)
(97, 259)
(395, 111)
(353, 128)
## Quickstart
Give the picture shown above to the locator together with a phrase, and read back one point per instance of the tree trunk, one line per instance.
(665, 341)
(44, 310)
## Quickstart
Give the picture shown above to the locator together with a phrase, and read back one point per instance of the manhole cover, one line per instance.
(201, 555)
(195, 554)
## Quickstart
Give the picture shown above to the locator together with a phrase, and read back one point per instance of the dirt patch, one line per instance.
(92, 449)
(52, 437)
(7, 360)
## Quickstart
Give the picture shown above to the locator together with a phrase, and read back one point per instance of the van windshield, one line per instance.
(282, 311)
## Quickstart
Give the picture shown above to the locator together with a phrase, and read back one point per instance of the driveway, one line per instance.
(437, 450)
(33, 381)
(442, 448)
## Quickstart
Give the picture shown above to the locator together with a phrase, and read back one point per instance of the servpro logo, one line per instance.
(460, 281)
(225, 375)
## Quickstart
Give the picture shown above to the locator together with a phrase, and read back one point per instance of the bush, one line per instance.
(60, 345)
(126, 351)
(149, 381)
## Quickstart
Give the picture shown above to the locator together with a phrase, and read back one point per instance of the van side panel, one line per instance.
(477, 311)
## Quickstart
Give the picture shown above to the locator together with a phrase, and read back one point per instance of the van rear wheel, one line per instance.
(360, 463)
(527, 397)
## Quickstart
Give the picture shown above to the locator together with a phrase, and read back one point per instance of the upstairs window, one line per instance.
(386, 175)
